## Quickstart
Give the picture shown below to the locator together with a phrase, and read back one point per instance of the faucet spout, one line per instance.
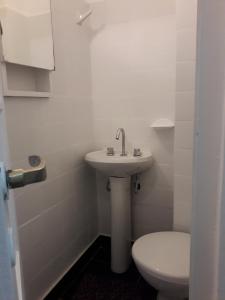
(119, 132)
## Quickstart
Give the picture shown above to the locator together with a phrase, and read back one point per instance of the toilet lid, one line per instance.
(165, 255)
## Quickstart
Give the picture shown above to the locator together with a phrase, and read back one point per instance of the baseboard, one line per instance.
(77, 267)
(67, 270)
(109, 236)
(105, 235)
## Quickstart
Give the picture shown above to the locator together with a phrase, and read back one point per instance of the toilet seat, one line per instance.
(165, 255)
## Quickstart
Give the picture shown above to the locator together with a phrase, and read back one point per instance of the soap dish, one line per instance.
(163, 124)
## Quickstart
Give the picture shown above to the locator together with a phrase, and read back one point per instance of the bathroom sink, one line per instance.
(119, 168)
(117, 165)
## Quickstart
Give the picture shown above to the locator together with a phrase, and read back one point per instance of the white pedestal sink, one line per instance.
(120, 169)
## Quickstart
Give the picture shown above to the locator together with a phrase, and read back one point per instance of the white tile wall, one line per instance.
(133, 80)
(185, 87)
(58, 218)
(185, 106)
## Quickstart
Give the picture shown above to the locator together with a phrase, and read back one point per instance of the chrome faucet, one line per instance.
(119, 131)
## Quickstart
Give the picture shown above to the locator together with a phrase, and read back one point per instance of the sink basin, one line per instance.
(119, 166)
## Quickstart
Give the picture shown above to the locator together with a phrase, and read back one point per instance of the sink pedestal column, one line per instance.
(120, 224)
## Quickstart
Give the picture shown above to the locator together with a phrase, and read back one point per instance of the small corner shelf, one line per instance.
(163, 124)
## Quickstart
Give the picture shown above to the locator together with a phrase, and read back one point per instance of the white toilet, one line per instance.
(163, 260)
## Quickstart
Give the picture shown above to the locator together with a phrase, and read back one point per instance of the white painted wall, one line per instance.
(207, 255)
(186, 16)
(58, 218)
(133, 82)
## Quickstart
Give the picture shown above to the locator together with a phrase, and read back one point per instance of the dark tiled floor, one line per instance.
(92, 279)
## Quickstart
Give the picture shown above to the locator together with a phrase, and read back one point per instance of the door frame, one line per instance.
(12, 222)
(208, 207)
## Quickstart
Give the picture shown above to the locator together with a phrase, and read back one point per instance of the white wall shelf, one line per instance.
(163, 124)
(23, 81)
(25, 94)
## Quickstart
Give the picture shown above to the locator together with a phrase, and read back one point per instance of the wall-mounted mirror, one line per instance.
(27, 33)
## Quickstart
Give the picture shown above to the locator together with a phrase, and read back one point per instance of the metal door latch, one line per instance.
(19, 177)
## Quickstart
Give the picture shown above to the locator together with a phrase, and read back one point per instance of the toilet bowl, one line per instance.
(163, 260)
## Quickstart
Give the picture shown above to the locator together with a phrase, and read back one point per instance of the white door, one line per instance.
(8, 282)
(10, 275)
